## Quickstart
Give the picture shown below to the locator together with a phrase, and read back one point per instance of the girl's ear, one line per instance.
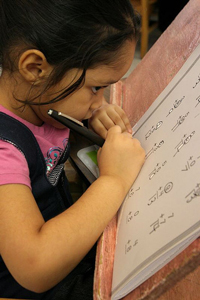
(33, 66)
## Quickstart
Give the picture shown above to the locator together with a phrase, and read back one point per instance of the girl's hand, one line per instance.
(121, 157)
(106, 117)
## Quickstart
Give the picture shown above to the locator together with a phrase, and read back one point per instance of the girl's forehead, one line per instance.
(108, 74)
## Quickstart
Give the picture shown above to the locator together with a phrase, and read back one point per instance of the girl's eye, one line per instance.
(95, 89)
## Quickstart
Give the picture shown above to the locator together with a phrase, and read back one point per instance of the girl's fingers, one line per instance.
(124, 119)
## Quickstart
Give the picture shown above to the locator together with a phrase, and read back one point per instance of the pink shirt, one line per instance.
(13, 165)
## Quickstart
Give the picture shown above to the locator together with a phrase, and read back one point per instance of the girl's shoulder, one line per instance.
(45, 130)
(46, 135)
(13, 165)
(52, 141)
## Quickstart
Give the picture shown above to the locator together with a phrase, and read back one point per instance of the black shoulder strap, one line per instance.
(46, 193)
(16, 133)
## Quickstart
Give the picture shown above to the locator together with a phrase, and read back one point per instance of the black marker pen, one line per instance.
(76, 126)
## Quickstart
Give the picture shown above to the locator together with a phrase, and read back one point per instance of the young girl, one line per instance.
(60, 54)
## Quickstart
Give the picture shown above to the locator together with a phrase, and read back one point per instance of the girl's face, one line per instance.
(81, 104)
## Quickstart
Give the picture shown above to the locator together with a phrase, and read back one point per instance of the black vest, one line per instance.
(51, 194)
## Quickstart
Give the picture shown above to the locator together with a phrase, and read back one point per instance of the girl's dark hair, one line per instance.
(71, 34)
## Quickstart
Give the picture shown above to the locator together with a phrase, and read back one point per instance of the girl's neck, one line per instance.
(8, 88)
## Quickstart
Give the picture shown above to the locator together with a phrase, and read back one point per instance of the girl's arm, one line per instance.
(40, 254)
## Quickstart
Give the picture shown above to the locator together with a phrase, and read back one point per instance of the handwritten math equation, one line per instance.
(180, 121)
(130, 245)
(161, 191)
(197, 82)
(155, 147)
(132, 191)
(157, 168)
(131, 215)
(190, 163)
(198, 101)
(163, 219)
(193, 194)
(184, 141)
(154, 128)
(175, 105)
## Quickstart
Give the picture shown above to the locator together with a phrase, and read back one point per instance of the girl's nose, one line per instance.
(97, 102)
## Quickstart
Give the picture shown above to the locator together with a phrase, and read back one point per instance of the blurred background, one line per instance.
(156, 16)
